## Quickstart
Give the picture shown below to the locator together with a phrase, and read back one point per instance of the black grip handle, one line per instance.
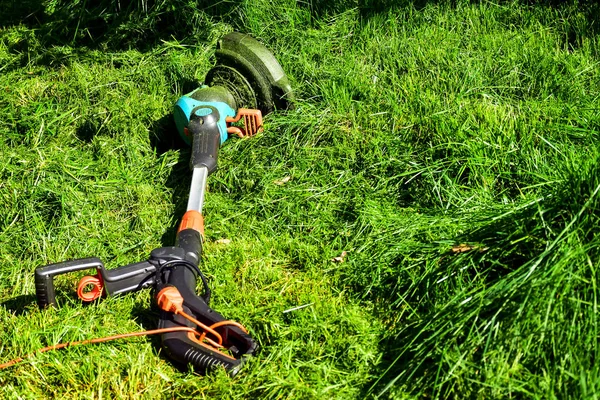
(183, 349)
(44, 277)
(128, 278)
(206, 137)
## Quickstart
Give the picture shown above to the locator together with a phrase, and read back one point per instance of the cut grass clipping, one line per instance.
(423, 224)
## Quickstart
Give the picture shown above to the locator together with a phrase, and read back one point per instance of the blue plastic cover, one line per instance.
(186, 105)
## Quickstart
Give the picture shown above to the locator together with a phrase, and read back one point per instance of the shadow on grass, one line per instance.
(164, 137)
(142, 25)
(23, 304)
(20, 305)
(61, 30)
(114, 25)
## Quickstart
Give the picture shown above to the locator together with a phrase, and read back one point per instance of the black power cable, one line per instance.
(188, 264)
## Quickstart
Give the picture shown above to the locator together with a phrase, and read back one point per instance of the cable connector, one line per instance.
(170, 300)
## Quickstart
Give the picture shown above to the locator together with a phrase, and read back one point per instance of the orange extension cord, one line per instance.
(97, 340)
(169, 299)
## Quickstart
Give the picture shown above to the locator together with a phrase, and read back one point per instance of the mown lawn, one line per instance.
(449, 151)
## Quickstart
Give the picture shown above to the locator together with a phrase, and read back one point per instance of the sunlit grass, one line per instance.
(431, 202)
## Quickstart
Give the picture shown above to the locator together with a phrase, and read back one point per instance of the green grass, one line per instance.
(419, 127)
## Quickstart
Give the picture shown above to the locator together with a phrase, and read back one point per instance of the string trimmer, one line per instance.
(246, 82)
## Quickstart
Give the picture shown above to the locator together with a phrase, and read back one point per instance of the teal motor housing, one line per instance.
(200, 103)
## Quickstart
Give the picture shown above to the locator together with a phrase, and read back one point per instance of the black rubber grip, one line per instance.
(181, 348)
(206, 138)
(178, 345)
(185, 351)
(44, 277)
